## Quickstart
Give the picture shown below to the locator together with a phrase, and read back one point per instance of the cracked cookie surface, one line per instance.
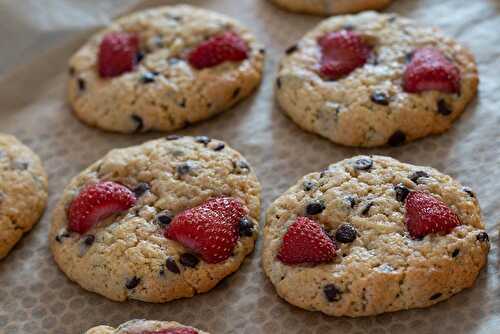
(23, 191)
(379, 267)
(127, 256)
(369, 107)
(329, 7)
(140, 327)
(163, 92)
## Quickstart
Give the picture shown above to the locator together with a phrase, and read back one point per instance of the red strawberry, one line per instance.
(430, 70)
(306, 242)
(96, 202)
(218, 49)
(117, 54)
(210, 229)
(174, 331)
(342, 52)
(426, 214)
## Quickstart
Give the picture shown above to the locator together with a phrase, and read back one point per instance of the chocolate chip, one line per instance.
(436, 296)
(219, 147)
(140, 189)
(278, 83)
(392, 19)
(314, 208)
(332, 294)
(132, 282)
(351, 201)
(241, 167)
(164, 218)
(346, 233)
(455, 253)
(81, 84)
(443, 108)
(182, 104)
(89, 240)
(59, 238)
(367, 208)
(189, 260)
(202, 140)
(291, 49)
(71, 70)
(397, 138)
(409, 57)
(139, 56)
(262, 51)
(482, 236)
(363, 164)
(308, 185)
(172, 265)
(236, 92)
(148, 77)
(183, 169)
(380, 98)
(401, 192)
(139, 123)
(246, 227)
(469, 192)
(172, 137)
(20, 165)
(417, 175)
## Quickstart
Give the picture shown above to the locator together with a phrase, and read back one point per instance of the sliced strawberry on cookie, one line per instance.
(218, 49)
(210, 229)
(426, 214)
(97, 202)
(342, 52)
(430, 70)
(117, 54)
(306, 242)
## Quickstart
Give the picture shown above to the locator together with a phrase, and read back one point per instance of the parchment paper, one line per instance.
(36, 39)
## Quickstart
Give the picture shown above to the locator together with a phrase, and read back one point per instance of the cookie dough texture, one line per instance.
(139, 327)
(23, 191)
(127, 256)
(383, 270)
(330, 7)
(344, 111)
(179, 94)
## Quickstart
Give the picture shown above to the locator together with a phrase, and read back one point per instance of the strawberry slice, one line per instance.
(210, 229)
(117, 54)
(306, 242)
(174, 331)
(97, 202)
(218, 49)
(342, 52)
(426, 214)
(429, 70)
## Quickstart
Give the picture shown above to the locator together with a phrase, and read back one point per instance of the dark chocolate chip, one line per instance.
(21, 165)
(139, 123)
(246, 227)
(202, 140)
(397, 138)
(291, 49)
(172, 265)
(164, 218)
(469, 192)
(401, 192)
(346, 233)
(278, 83)
(148, 77)
(140, 189)
(323, 173)
(392, 19)
(71, 71)
(351, 201)
(219, 147)
(314, 208)
(455, 253)
(363, 164)
(262, 51)
(183, 169)
(308, 185)
(241, 167)
(236, 93)
(189, 260)
(81, 84)
(60, 237)
(436, 296)
(332, 294)
(172, 137)
(417, 175)
(443, 108)
(482, 236)
(409, 57)
(182, 104)
(380, 98)
(132, 282)
(139, 56)
(89, 240)
(367, 208)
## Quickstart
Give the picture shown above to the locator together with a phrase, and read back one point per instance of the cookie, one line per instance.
(370, 235)
(23, 191)
(373, 79)
(162, 69)
(146, 327)
(331, 7)
(160, 221)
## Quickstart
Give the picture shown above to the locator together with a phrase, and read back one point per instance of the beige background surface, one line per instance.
(37, 37)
